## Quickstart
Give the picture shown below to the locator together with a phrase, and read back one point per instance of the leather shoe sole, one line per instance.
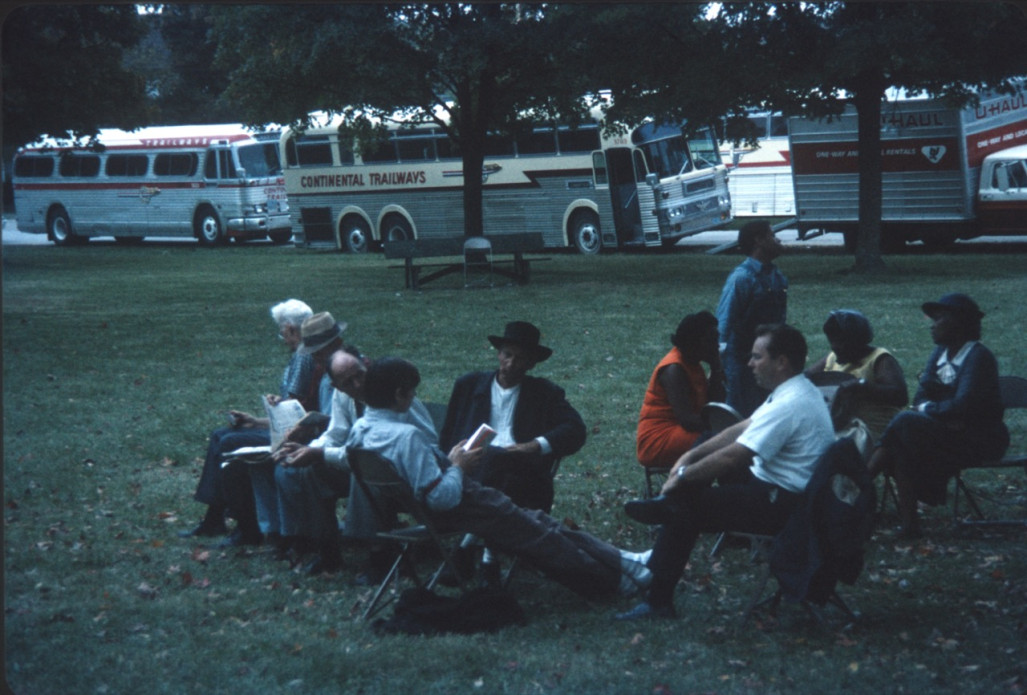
(658, 510)
(646, 611)
(203, 530)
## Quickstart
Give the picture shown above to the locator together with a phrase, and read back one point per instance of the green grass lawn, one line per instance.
(118, 362)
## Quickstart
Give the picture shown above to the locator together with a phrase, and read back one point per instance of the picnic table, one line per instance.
(420, 254)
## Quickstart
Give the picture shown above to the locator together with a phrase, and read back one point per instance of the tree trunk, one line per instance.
(867, 99)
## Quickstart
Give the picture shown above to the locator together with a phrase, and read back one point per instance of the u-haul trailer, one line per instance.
(934, 187)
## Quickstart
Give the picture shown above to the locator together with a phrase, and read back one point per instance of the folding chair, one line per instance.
(383, 485)
(1013, 391)
(438, 413)
(835, 517)
(478, 258)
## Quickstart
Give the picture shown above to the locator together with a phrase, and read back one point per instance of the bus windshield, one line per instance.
(704, 149)
(260, 160)
(667, 157)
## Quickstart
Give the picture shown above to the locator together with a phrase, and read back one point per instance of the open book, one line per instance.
(481, 437)
(282, 416)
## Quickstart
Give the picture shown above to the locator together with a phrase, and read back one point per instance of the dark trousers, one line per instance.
(525, 478)
(229, 488)
(576, 559)
(753, 506)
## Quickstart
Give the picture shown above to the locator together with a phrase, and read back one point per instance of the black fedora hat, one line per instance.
(524, 335)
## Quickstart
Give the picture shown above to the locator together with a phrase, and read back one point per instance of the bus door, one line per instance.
(627, 215)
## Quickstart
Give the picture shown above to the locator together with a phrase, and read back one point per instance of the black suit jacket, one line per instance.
(542, 411)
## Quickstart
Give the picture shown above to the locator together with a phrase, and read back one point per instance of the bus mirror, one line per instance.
(241, 173)
(652, 180)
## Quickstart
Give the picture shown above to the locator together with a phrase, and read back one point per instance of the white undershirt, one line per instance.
(504, 402)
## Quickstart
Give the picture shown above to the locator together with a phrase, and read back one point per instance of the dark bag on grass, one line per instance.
(423, 612)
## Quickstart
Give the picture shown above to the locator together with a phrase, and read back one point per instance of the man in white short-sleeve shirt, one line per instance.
(779, 445)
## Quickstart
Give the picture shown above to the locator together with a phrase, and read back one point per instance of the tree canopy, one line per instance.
(473, 68)
(469, 68)
(63, 71)
(806, 59)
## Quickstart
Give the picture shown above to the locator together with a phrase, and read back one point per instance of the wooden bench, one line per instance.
(517, 267)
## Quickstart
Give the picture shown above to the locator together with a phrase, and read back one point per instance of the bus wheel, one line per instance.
(396, 228)
(208, 228)
(58, 228)
(585, 233)
(355, 235)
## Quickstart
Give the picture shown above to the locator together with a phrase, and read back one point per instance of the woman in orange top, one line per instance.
(669, 424)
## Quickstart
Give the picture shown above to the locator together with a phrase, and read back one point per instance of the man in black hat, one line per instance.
(535, 424)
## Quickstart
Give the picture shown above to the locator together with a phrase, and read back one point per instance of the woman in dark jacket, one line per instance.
(956, 415)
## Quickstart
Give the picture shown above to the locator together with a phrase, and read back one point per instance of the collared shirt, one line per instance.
(788, 433)
(417, 458)
(501, 416)
(742, 285)
(297, 375)
(344, 414)
(949, 367)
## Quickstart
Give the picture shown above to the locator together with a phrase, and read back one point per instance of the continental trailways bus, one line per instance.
(648, 187)
(212, 182)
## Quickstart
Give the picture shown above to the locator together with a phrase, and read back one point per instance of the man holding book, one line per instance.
(533, 422)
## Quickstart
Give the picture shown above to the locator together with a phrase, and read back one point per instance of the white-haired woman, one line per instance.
(218, 487)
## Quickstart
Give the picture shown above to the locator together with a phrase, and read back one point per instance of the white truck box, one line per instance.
(931, 168)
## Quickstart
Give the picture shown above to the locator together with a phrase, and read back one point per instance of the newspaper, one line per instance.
(282, 417)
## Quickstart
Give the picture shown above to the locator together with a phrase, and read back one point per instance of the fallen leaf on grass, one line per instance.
(146, 591)
(637, 639)
(845, 641)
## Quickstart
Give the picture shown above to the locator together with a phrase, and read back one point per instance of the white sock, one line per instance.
(641, 558)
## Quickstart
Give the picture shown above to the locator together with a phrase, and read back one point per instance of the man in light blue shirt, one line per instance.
(581, 562)
(755, 293)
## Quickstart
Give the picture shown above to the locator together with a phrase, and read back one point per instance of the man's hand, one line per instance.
(293, 455)
(244, 420)
(532, 447)
(674, 477)
(465, 460)
(300, 434)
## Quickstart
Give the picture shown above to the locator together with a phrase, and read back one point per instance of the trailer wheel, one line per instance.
(207, 227)
(585, 233)
(355, 234)
(58, 228)
(396, 228)
(279, 238)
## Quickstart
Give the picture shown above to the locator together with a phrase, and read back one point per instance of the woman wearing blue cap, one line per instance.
(956, 415)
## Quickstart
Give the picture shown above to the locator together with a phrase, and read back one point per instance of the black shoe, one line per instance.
(239, 538)
(658, 510)
(322, 564)
(491, 575)
(647, 611)
(463, 558)
(205, 529)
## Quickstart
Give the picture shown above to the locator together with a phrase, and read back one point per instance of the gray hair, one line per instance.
(291, 312)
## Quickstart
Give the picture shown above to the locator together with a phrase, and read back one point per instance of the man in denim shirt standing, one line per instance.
(755, 293)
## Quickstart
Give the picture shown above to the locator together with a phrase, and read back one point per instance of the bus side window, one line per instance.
(225, 164)
(127, 165)
(174, 164)
(33, 166)
(80, 165)
(640, 166)
(599, 169)
(210, 165)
